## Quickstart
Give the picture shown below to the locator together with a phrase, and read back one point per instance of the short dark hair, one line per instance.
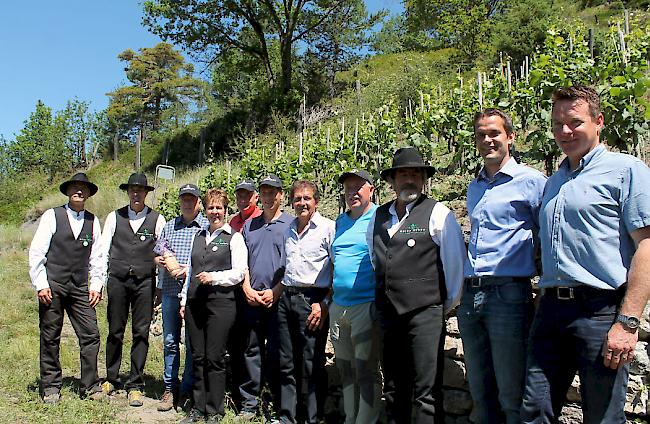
(580, 92)
(507, 120)
(300, 184)
(216, 194)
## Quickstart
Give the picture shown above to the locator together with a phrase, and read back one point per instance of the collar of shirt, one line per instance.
(409, 206)
(595, 153)
(73, 213)
(133, 215)
(314, 222)
(180, 224)
(211, 236)
(511, 168)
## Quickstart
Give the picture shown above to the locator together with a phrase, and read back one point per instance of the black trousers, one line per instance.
(260, 330)
(72, 299)
(412, 364)
(136, 295)
(301, 353)
(209, 320)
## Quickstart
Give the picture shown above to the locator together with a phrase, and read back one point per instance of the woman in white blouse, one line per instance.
(218, 262)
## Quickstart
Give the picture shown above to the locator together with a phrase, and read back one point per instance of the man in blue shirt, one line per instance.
(179, 232)
(496, 309)
(264, 236)
(354, 329)
(595, 239)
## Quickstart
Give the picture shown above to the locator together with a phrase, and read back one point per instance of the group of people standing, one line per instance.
(268, 287)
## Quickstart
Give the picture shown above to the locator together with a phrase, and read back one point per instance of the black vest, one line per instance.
(68, 257)
(408, 268)
(130, 254)
(213, 257)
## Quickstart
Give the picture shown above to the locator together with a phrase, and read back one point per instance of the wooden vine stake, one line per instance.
(300, 149)
(480, 90)
(229, 168)
(342, 131)
(509, 76)
(328, 138)
(356, 137)
(591, 42)
(621, 40)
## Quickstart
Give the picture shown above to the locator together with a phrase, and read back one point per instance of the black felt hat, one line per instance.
(79, 177)
(137, 179)
(407, 157)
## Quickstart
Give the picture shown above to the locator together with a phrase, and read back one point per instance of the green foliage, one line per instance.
(161, 81)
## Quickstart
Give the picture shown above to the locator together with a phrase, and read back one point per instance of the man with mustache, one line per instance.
(302, 308)
(65, 251)
(496, 307)
(418, 254)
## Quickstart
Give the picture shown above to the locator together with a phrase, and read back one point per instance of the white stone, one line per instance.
(452, 326)
(641, 363)
(637, 395)
(454, 347)
(573, 394)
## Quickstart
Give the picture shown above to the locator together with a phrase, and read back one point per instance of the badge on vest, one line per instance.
(216, 243)
(411, 229)
(144, 234)
(410, 242)
(86, 240)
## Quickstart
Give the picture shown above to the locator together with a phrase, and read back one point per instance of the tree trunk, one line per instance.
(286, 64)
(116, 146)
(138, 145)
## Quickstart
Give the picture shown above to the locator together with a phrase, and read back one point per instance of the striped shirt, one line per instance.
(180, 236)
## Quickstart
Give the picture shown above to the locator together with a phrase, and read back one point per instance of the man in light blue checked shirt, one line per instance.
(179, 232)
(496, 307)
(595, 240)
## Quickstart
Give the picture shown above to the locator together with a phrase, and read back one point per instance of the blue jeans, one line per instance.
(172, 324)
(568, 335)
(494, 336)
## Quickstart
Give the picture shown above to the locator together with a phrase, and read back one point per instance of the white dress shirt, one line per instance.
(307, 256)
(238, 261)
(41, 245)
(447, 234)
(136, 219)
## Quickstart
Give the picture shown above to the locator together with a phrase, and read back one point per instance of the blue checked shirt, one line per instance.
(587, 216)
(504, 211)
(180, 236)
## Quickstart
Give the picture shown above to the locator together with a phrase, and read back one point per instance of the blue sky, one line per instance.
(57, 50)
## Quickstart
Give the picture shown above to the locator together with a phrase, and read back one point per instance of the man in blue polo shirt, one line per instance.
(595, 239)
(264, 237)
(354, 328)
(496, 307)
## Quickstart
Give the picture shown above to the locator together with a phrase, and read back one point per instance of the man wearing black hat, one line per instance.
(354, 328)
(179, 233)
(129, 237)
(418, 252)
(65, 251)
(246, 195)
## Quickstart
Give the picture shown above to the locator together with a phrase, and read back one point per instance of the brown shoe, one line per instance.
(166, 401)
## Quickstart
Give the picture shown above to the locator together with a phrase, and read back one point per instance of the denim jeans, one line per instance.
(172, 324)
(301, 355)
(568, 335)
(494, 335)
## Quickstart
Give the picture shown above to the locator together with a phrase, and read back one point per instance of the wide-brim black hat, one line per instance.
(137, 179)
(407, 157)
(79, 177)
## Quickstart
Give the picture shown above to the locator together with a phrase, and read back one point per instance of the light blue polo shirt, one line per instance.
(587, 216)
(354, 277)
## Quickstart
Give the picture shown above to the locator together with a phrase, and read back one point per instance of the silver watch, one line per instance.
(630, 322)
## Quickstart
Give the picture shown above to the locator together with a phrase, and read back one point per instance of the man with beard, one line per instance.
(418, 254)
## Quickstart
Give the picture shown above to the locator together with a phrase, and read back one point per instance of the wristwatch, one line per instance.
(631, 323)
